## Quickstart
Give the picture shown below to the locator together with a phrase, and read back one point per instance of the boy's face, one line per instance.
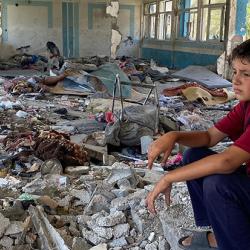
(241, 79)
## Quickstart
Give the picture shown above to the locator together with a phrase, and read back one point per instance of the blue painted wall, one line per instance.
(241, 17)
(178, 59)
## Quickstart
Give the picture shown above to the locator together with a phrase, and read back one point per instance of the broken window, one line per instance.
(149, 20)
(164, 19)
(213, 20)
(188, 17)
(200, 20)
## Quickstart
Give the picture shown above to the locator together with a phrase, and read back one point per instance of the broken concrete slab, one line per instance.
(121, 230)
(113, 219)
(6, 242)
(97, 152)
(79, 138)
(80, 244)
(104, 232)
(121, 242)
(76, 171)
(92, 237)
(120, 172)
(97, 204)
(82, 195)
(202, 76)
(50, 238)
(15, 227)
(100, 247)
(4, 224)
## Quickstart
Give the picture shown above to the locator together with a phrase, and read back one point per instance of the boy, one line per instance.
(218, 184)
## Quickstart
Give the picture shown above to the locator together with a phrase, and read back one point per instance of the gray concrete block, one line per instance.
(121, 230)
(121, 242)
(152, 246)
(4, 224)
(92, 237)
(104, 232)
(77, 171)
(15, 227)
(113, 219)
(82, 195)
(80, 244)
(97, 204)
(6, 242)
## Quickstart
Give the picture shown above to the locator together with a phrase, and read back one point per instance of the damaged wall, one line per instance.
(78, 27)
(181, 52)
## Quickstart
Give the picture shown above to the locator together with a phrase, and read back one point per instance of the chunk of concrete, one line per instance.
(6, 242)
(120, 204)
(152, 246)
(120, 193)
(4, 224)
(121, 230)
(121, 242)
(100, 247)
(113, 219)
(50, 238)
(76, 171)
(104, 232)
(92, 237)
(15, 227)
(139, 222)
(79, 138)
(163, 244)
(65, 202)
(82, 195)
(97, 204)
(121, 171)
(80, 244)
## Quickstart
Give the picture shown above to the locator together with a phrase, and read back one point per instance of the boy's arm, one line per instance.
(222, 163)
(207, 138)
(166, 143)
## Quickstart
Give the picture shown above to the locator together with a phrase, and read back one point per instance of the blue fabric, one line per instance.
(223, 202)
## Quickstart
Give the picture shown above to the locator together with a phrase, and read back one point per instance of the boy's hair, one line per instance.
(242, 52)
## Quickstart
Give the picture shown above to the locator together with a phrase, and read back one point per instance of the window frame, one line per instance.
(176, 13)
(150, 15)
(217, 6)
(166, 14)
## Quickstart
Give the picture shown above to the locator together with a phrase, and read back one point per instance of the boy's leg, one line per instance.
(227, 201)
(195, 187)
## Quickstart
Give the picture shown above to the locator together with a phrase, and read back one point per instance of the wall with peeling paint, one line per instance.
(78, 27)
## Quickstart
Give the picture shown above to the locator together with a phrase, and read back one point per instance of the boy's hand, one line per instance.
(161, 187)
(164, 144)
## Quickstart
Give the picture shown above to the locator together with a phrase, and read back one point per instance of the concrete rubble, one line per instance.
(63, 186)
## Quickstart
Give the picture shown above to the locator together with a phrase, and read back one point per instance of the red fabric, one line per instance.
(237, 126)
(109, 117)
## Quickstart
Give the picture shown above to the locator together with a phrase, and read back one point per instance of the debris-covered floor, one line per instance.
(74, 174)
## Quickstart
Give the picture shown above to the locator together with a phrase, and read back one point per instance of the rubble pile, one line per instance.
(73, 168)
(104, 206)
